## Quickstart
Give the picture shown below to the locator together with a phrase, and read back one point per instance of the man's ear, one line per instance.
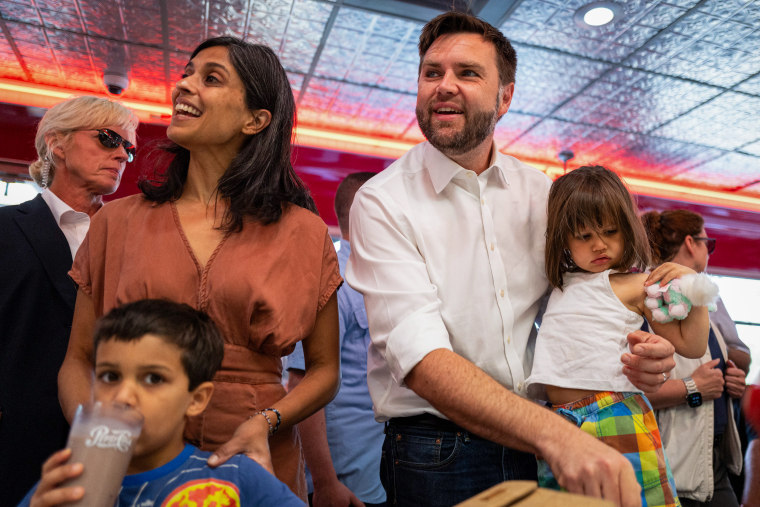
(505, 94)
(259, 120)
(200, 396)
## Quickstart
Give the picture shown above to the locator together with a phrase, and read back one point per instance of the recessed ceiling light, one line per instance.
(596, 14)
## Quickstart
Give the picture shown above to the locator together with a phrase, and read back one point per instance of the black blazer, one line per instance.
(36, 309)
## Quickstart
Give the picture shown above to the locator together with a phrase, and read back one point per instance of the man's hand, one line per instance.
(587, 466)
(54, 472)
(472, 399)
(335, 494)
(250, 438)
(649, 362)
(736, 380)
(709, 380)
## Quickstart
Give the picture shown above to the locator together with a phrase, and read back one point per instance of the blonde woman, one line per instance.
(83, 146)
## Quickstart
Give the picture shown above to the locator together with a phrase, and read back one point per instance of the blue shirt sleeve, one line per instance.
(295, 359)
(259, 487)
(28, 498)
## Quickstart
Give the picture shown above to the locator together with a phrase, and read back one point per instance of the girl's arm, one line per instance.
(688, 336)
(318, 387)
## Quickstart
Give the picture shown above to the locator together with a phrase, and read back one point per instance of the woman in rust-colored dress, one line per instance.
(231, 230)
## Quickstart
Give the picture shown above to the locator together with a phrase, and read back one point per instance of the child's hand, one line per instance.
(55, 471)
(649, 362)
(666, 272)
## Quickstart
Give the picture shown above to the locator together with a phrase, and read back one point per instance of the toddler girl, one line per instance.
(593, 240)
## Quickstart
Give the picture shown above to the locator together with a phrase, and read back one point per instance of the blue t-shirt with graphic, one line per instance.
(188, 480)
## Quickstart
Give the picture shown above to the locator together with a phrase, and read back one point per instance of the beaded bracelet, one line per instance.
(272, 428)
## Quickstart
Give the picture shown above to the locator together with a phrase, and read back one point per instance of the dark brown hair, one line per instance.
(457, 22)
(344, 196)
(591, 196)
(667, 231)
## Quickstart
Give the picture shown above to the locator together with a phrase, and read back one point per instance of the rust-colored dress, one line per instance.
(263, 287)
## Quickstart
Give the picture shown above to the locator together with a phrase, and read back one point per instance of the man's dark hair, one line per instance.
(344, 196)
(261, 180)
(457, 22)
(177, 323)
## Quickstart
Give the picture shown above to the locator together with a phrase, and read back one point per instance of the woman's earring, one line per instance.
(45, 173)
(569, 263)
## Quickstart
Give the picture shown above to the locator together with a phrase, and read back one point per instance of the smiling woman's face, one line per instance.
(209, 103)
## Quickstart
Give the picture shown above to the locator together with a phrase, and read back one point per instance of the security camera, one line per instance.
(116, 83)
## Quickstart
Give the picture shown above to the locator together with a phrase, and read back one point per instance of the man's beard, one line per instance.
(478, 126)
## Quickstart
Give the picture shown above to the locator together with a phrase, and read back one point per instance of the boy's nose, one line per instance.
(126, 394)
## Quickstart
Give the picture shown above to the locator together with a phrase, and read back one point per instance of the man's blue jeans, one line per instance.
(425, 465)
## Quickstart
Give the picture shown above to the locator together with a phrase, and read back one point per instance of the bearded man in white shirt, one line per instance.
(448, 250)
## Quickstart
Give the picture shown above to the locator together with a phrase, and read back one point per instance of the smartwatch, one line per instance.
(693, 396)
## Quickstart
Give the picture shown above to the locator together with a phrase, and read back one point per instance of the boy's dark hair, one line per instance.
(457, 22)
(344, 196)
(668, 229)
(177, 323)
(586, 197)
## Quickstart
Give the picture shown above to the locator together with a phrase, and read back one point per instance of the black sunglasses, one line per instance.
(110, 139)
(710, 242)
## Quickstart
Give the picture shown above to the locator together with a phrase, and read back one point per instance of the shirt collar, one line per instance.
(59, 208)
(56, 205)
(442, 169)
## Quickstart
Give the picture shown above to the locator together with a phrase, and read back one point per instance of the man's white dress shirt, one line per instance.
(448, 259)
(73, 224)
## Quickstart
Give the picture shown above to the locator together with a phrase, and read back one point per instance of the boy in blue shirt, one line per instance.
(159, 357)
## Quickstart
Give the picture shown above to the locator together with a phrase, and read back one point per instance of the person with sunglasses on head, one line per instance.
(78, 162)
(694, 409)
(230, 229)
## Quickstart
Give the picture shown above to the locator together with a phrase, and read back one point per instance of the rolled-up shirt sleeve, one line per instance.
(388, 267)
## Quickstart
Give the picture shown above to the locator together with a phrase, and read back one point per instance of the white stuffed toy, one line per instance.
(674, 300)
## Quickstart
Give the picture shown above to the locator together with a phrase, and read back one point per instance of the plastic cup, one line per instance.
(102, 438)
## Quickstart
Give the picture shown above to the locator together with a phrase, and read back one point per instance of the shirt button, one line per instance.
(520, 386)
(492, 247)
(501, 293)
(509, 339)
(483, 202)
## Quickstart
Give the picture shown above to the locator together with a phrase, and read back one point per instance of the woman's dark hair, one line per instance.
(261, 178)
(589, 197)
(191, 330)
(667, 230)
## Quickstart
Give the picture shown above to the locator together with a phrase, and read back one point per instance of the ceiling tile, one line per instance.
(728, 122)
(546, 78)
(22, 12)
(669, 91)
(726, 172)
